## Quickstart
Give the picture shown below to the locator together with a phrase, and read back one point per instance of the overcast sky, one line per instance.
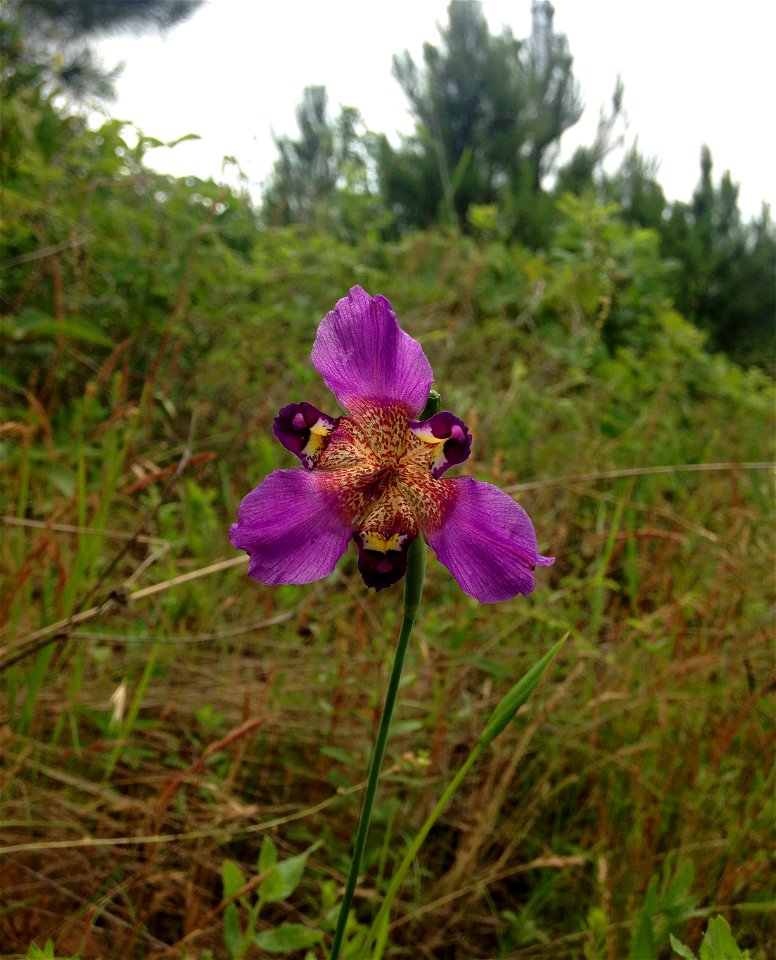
(694, 72)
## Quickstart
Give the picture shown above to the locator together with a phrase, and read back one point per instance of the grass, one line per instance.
(162, 714)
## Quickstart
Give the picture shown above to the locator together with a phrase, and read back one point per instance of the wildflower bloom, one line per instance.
(375, 475)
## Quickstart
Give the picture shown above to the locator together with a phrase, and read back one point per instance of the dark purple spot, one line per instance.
(292, 428)
(378, 569)
(458, 440)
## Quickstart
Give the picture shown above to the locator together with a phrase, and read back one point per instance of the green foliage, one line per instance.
(507, 709)
(717, 944)
(489, 114)
(724, 268)
(280, 880)
(41, 953)
(90, 17)
(166, 249)
(152, 328)
(666, 908)
(48, 39)
(46, 952)
(322, 179)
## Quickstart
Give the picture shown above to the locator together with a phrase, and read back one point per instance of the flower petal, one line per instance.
(486, 541)
(292, 528)
(382, 560)
(449, 438)
(384, 534)
(363, 354)
(304, 430)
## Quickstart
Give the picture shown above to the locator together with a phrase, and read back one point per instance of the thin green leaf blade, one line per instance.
(233, 937)
(678, 947)
(517, 696)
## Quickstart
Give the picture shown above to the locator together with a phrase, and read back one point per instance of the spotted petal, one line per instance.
(486, 541)
(363, 355)
(291, 527)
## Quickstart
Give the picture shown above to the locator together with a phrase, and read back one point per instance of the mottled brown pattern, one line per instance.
(382, 472)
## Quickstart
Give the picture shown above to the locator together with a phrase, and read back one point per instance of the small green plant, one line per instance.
(46, 952)
(275, 881)
(718, 944)
(664, 910)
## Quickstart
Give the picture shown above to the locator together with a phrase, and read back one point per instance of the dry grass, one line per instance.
(647, 744)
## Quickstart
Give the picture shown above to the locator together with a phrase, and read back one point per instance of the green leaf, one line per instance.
(233, 938)
(678, 947)
(643, 943)
(284, 879)
(288, 936)
(232, 878)
(718, 942)
(271, 887)
(36, 953)
(337, 753)
(35, 324)
(268, 856)
(186, 137)
(517, 696)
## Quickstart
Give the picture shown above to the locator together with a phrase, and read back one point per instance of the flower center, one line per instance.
(381, 480)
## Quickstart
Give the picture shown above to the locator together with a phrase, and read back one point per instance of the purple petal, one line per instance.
(304, 430)
(382, 560)
(486, 541)
(363, 354)
(449, 435)
(291, 527)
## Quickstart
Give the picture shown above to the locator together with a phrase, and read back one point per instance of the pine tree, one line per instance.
(324, 172)
(489, 113)
(725, 268)
(48, 40)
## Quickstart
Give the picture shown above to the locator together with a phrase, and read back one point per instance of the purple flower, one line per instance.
(375, 475)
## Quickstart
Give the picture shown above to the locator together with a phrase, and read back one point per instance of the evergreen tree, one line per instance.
(579, 174)
(489, 113)
(552, 103)
(324, 172)
(48, 40)
(726, 284)
(725, 268)
(635, 187)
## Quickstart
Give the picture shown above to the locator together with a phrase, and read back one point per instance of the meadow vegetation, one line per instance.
(172, 730)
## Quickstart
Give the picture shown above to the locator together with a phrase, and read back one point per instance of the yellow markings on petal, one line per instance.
(434, 448)
(315, 444)
(427, 434)
(321, 428)
(372, 540)
(439, 459)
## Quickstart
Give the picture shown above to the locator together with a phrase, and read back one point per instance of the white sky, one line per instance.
(695, 71)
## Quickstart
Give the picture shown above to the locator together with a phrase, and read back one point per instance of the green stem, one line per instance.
(501, 717)
(381, 921)
(413, 587)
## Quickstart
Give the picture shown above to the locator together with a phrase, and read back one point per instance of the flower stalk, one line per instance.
(413, 588)
(501, 717)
